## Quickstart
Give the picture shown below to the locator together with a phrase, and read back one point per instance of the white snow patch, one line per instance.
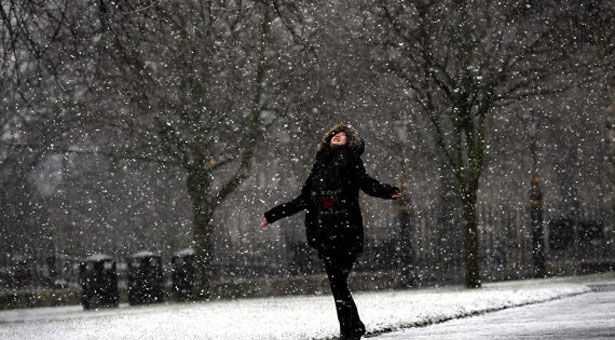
(296, 317)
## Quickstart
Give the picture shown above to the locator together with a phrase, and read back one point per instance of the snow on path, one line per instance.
(585, 316)
(296, 317)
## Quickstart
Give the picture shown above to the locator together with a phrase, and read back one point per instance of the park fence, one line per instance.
(576, 245)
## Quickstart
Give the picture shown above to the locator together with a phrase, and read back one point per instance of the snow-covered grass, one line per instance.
(296, 317)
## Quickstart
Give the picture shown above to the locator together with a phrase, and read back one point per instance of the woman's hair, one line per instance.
(353, 139)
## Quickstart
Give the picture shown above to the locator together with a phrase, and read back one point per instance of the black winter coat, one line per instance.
(330, 198)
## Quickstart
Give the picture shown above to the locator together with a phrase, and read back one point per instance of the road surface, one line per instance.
(586, 316)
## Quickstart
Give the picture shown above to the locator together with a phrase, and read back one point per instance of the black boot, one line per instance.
(345, 317)
(354, 336)
(351, 327)
(359, 330)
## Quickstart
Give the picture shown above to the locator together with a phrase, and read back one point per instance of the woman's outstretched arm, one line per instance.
(288, 208)
(372, 186)
(284, 210)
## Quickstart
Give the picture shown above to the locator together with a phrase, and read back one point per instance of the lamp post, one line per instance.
(404, 213)
(536, 211)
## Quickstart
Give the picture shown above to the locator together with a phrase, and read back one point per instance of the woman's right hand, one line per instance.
(264, 223)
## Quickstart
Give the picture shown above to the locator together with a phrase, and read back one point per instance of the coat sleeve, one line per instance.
(372, 186)
(289, 208)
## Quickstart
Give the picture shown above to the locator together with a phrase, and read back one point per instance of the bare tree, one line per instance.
(460, 61)
(591, 25)
(193, 97)
(30, 123)
(181, 83)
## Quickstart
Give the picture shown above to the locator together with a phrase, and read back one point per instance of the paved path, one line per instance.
(586, 316)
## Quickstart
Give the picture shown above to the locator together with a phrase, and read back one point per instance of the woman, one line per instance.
(334, 225)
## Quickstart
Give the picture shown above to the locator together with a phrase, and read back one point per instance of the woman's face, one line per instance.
(339, 139)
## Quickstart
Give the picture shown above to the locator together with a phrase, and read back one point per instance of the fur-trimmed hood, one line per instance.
(353, 139)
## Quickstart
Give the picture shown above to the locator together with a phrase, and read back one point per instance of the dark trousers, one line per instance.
(338, 268)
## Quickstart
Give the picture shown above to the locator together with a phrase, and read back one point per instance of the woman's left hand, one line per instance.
(397, 194)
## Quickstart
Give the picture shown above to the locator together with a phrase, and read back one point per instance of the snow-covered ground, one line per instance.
(296, 317)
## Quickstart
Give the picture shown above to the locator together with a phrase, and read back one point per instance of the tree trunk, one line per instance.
(203, 245)
(471, 246)
(197, 183)
(204, 201)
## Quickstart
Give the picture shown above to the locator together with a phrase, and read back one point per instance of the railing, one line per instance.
(571, 247)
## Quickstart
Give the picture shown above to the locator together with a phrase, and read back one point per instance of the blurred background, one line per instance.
(172, 126)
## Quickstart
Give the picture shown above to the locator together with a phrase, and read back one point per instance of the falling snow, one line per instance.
(168, 128)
